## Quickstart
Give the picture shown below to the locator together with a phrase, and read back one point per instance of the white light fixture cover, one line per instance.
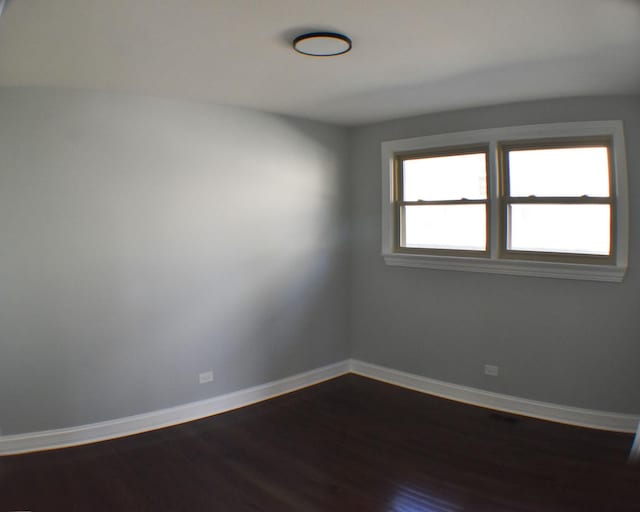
(322, 44)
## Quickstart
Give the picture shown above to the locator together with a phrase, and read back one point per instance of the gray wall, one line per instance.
(568, 342)
(147, 240)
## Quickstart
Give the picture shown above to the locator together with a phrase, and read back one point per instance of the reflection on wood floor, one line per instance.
(350, 444)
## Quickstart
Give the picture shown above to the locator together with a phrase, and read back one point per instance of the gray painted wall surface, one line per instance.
(147, 240)
(568, 342)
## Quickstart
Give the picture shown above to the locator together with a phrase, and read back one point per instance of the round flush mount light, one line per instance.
(322, 44)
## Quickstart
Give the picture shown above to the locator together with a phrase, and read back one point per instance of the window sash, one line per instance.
(401, 230)
(558, 256)
(399, 203)
(506, 200)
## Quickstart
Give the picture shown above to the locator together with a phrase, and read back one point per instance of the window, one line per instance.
(442, 201)
(542, 200)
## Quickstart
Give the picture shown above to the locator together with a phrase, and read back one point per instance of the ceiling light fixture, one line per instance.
(322, 44)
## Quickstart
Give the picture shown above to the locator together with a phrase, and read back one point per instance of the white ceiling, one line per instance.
(409, 56)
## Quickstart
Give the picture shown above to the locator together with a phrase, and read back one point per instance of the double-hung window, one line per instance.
(542, 200)
(442, 201)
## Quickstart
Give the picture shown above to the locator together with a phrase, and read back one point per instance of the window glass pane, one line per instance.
(562, 172)
(566, 228)
(446, 226)
(445, 177)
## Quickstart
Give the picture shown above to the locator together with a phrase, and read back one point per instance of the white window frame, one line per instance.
(494, 263)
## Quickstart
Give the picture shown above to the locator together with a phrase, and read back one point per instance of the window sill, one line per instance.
(609, 273)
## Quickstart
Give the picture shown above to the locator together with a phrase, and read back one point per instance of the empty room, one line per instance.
(320, 256)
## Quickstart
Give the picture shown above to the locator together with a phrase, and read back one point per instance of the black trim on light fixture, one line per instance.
(327, 35)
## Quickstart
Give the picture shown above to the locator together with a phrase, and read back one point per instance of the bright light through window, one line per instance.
(456, 227)
(443, 203)
(445, 177)
(564, 228)
(559, 172)
(559, 200)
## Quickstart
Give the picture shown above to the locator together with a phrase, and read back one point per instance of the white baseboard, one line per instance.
(59, 438)
(85, 434)
(559, 413)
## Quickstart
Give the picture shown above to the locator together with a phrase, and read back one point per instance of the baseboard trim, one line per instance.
(85, 434)
(601, 420)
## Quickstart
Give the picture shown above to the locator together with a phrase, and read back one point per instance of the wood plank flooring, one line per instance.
(350, 444)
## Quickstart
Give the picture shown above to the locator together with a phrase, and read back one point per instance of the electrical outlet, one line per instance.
(490, 369)
(206, 377)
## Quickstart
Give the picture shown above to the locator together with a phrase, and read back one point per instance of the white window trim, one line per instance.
(494, 264)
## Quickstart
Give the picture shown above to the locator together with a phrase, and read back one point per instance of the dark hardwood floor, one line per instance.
(350, 444)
